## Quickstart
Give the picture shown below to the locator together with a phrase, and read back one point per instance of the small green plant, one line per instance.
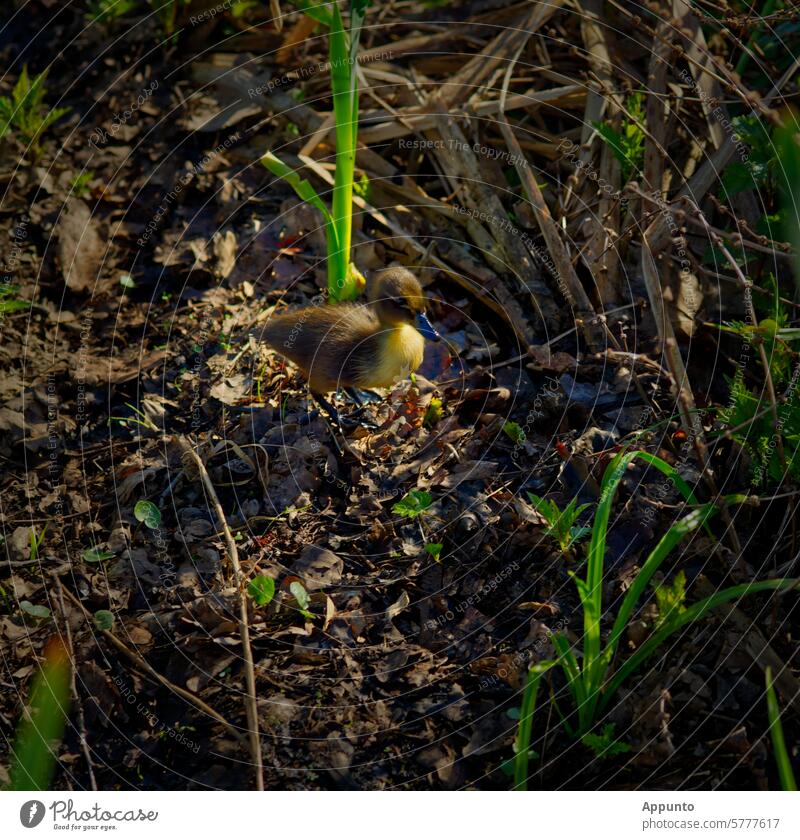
(25, 113)
(627, 144)
(105, 10)
(167, 12)
(140, 419)
(302, 599)
(262, 590)
(148, 513)
(670, 599)
(561, 523)
(754, 429)
(413, 504)
(433, 413)
(8, 301)
(773, 166)
(79, 185)
(41, 725)
(593, 682)
(35, 610)
(522, 743)
(103, 620)
(435, 550)
(604, 744)
(36, 543)
(344, 280)
(782, 758)
(97, 555)
(514, 431)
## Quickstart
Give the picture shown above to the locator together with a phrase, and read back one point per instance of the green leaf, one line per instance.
(413, 504)
(433, 413)
(337, 270)
(97, 555)
(614, 140)
(319, 13)
(8, 306)
(434, 549)
(344, 86)
(262, 590)
(693, 613)
(35, 610)
(788, 177)
(522, 743)
(300, 185)
(627, 144)
(126, 281)
(561, 523)
(577, 534)
(148, 513)
(40, 729)
(301, 596)
(670, 599)
(103, 619)
(514, 431)
(361, 187)
(26, 112)
(782, 758)
(737, 178)
(604, 745)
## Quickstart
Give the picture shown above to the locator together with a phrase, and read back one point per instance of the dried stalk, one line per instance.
(145, 666)
(565, 271)
(244, 628)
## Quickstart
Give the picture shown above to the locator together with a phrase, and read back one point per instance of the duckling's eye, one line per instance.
(401, 303)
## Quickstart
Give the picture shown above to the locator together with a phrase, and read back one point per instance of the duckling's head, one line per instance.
(397, 298)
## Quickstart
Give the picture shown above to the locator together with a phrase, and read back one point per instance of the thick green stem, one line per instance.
(345, 109)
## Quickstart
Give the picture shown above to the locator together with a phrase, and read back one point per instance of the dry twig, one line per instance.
(145, 666)
(244, 628)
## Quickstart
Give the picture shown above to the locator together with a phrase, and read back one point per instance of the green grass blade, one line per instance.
(657, 556)
(693, 613)
(595, 665)
(354, 120)
(342, 77)
(569, 664)
(358, 11)
(8, 306)
(321, 14)
(307, 193)
(782, 759)
(592, 597)
(523, 742)
(668, 470)
(300, 185)
(788, 176)
(41, 728)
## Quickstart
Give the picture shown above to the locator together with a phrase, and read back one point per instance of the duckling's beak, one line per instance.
(426, 328)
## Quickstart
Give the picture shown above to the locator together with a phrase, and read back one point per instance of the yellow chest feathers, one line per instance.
(401, 351)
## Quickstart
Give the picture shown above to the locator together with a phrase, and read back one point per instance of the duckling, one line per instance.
(357, 346)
